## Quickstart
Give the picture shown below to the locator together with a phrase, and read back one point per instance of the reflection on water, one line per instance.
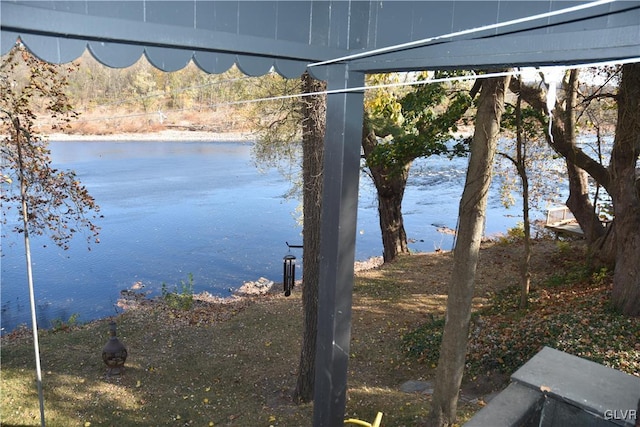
(173, 209)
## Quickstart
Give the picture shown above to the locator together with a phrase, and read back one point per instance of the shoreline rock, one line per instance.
(134, 297)
(258, 287)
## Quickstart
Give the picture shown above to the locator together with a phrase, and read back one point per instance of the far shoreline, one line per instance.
(160, 136)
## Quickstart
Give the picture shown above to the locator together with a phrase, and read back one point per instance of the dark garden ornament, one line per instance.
(114, 353)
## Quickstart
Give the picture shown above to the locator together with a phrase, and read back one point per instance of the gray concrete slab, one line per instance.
(416, 386)
(596, 389)
(517, 405)
(559, 414)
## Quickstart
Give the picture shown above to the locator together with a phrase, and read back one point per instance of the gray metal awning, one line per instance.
(288, 35)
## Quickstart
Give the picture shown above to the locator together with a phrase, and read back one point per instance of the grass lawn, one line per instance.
(235, 363)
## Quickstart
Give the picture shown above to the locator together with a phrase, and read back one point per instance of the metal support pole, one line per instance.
(337, 244)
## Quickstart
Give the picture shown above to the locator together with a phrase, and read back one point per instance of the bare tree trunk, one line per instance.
(578, 202)
(521, 167)
(465, 259)
(390, 186)
(394, 236)
(525, 273)
(626, 194)
(314, 109)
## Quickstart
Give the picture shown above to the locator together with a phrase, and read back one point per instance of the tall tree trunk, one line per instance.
(465, 259)
(521, 167)
(525, 272)
(314, 109)
(626, 197)
(390, 186)
(578, 202)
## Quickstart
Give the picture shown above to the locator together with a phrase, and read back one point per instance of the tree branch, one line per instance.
(534, 97)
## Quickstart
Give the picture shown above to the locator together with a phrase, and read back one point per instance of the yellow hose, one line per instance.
(358, 422)
(376, 422)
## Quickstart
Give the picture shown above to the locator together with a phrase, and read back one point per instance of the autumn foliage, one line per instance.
(57, 204)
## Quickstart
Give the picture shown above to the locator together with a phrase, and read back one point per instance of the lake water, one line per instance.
(177, 208)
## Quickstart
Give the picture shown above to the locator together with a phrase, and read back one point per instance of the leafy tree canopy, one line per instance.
(418, 122)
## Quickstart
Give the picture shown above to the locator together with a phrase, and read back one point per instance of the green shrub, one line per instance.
(181, 298)
(514, 234)
(600, 276)
(424, 342)
(58, 324)
(571, 275)
(564, 247)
